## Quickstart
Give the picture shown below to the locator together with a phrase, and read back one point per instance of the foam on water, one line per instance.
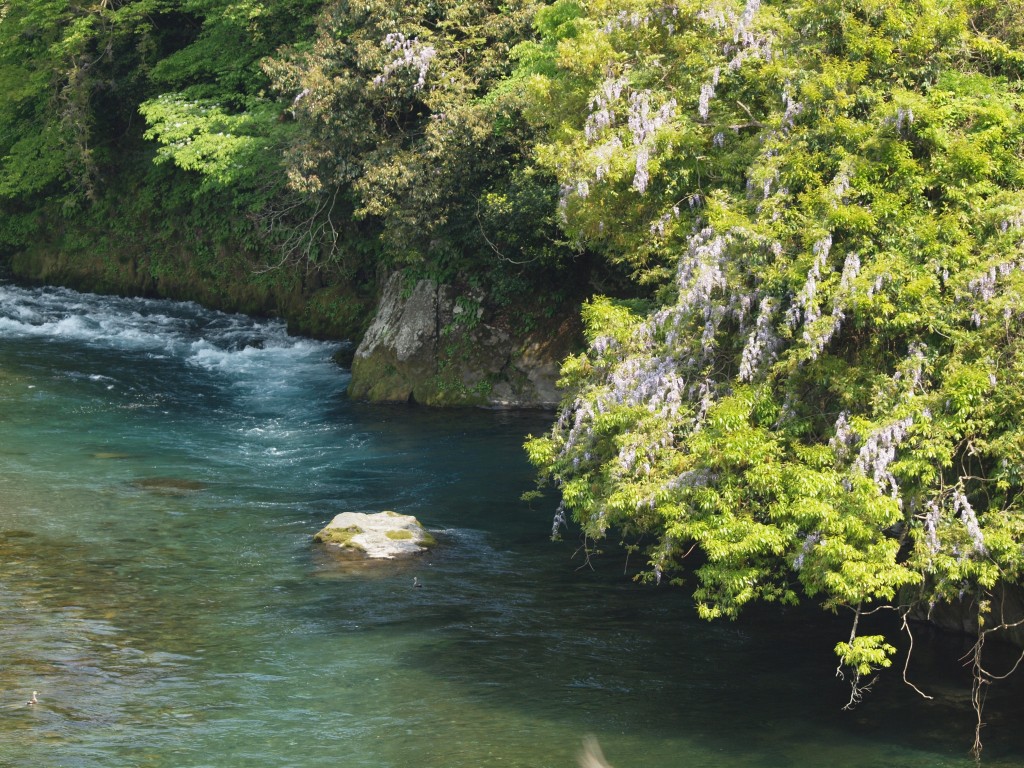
(60, 314)
(255, 359)
(208, 338)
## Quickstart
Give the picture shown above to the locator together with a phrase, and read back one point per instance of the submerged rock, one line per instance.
(168, 485)
(384, 535)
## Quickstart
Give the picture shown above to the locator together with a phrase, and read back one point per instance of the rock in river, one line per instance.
(383, 535)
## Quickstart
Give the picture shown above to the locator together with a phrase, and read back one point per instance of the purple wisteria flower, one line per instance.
(409, 54)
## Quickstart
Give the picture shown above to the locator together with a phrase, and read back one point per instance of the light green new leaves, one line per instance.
(202, 136)
(831, 195)
(865, 653)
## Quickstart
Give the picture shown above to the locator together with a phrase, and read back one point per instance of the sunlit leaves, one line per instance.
(58, 62)
(201, 136)
(837, 192)
(404, 108)
(866, 653)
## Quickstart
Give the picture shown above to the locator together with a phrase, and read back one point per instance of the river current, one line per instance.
(163, 469)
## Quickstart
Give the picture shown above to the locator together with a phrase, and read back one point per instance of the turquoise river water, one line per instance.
(163, 469)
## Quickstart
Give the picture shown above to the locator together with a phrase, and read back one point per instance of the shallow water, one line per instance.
(162, 471)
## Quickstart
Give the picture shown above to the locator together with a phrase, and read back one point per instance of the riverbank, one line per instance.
(318, 305)
(436, 344)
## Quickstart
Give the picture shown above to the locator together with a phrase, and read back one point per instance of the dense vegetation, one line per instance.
(804, 375)
(300, 146)
(824, 400)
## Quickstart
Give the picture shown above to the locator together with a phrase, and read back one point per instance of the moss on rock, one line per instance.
(384, 535)
(340, 536)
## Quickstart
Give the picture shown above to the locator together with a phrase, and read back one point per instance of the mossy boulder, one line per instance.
(381, 535)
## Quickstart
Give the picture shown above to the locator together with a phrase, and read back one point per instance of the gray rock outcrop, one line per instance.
(432, 345)
(1006, 606)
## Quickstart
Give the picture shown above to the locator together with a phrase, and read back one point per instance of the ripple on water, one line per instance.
(159, 589)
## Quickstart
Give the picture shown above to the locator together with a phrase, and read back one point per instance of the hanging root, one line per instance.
(910, 651)
(981, 676)
(857, 688)
(980, 680)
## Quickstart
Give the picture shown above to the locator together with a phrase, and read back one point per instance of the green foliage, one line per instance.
(341, 133)
(221, 60)
(218, 119)
(76, 78)
(201, 136)
(829, 198)
(59, 62)
(865, 654)
(822, 202)
(401, 105)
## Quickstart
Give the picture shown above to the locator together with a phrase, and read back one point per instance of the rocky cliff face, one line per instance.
(428, 343)
(1006, 606)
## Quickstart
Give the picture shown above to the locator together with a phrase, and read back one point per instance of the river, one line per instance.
(163, 469)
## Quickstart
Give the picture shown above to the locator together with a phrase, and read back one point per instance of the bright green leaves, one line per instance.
(222, 62)
(218, 120)
(32, 163)
(201, 136)
(402, 107)
(828, 399)
(865, 653)
(905, 43)
(57, 63)
(556, 22)
(75, 76)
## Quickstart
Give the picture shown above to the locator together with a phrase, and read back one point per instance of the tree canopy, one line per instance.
(320, 137)
(824, 399)
(398, 109)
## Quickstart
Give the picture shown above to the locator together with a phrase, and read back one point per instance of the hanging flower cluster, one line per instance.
(762, 342)
(879, 451)
(409, 54)
(745, 43)
(643, 125)
(818, 395)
